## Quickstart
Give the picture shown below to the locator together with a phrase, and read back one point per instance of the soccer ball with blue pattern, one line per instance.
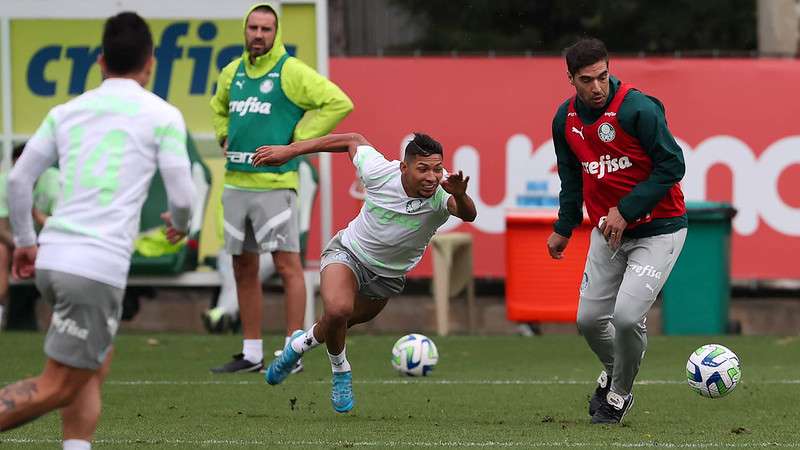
(414, 355)
(713, 371)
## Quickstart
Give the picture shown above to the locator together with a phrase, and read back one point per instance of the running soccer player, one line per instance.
(366, 263)
(108, 143)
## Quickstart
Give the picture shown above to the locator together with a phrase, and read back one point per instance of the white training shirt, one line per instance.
(108, 143)
(391, 231)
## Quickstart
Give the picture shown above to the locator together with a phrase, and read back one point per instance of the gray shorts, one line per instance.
(260, 222)
(86, 315)
(370, 285)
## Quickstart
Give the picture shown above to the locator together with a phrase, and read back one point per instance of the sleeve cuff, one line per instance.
(625, 213)
(562, 230)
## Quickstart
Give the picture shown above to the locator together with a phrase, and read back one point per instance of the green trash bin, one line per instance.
(697, 293)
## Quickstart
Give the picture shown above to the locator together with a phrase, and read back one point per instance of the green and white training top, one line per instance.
(108, 143)
(391, 232)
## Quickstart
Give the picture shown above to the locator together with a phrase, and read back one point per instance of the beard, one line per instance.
(261, 51)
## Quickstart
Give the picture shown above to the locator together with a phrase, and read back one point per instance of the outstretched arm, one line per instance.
(324, 102)
(459, 204)
(275, 155)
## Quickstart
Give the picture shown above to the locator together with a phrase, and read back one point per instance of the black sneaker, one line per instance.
(238, 364)
(603, 385)
(613, 409)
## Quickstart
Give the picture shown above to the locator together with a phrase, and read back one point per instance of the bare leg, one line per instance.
(341, 300)
(29, 399)
(338, 287)
(365, 310)
(343, 309)
(79, 418)
(248, 290)
(288, 266)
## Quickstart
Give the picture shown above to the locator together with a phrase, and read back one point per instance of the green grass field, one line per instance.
(486, 392)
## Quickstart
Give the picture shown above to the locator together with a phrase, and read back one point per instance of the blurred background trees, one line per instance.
(685, 27)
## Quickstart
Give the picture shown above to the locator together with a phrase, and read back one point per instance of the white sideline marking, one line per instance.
(414, 381)
(403, 444)
(396, 382)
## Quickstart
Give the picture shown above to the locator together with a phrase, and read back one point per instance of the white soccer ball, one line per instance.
(713, 371)
(414, 355)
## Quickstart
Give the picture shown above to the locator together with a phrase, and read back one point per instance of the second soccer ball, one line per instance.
(713, 371)
(414, 355)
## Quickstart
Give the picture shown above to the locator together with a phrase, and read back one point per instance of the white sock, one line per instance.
(253, 350)
(1, 316)
(305, 342)
(339, 362)
(227, 301)
(77, 444)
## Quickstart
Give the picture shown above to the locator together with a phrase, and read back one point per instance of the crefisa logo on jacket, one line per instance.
(251, 105)
(606, 132)
(606, 165)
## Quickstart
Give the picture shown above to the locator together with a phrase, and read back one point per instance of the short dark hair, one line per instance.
(17, 151)
(422, 145)
(127, 43)
(585, 52)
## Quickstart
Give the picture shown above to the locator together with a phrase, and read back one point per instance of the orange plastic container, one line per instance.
(539, 288)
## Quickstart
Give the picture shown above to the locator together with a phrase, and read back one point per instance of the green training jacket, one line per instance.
(324, 103)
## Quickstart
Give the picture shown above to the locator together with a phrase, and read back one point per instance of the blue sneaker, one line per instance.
(282, 366)
(342, 392)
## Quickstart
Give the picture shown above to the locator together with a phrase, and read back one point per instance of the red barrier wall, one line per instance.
(737, 120)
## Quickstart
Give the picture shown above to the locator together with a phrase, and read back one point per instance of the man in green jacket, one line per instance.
(616, 155)
(267, 97)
